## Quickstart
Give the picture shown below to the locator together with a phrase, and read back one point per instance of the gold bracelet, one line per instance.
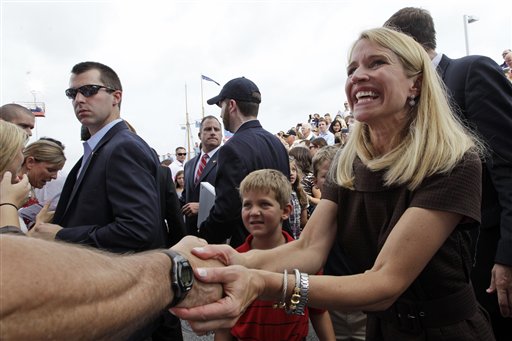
(295, 299)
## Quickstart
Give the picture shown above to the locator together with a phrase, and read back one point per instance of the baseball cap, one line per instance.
(290, 132)
(240, 89)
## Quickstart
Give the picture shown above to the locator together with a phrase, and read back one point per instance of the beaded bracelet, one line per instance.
(282, 303)
(9, 204)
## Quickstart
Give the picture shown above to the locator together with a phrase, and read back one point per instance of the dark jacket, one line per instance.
(249, 149)
(114, 204)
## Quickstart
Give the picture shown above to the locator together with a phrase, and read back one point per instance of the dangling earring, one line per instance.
(412, 102)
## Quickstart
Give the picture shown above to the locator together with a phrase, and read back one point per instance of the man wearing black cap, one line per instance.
(250, 148)
(290, 137)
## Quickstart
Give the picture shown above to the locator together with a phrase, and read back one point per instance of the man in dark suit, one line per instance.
(110, 199)
(250, 148)
(483, 98)
(210, 134)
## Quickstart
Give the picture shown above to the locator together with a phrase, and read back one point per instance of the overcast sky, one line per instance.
(295, 51)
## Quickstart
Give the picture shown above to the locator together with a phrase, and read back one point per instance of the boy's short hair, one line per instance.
(326, 153)
(268, 181)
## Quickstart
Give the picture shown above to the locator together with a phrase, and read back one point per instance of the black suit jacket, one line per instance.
(191, 191)
(478, 87)
(172, 222)
(114, 204)
(249, 149)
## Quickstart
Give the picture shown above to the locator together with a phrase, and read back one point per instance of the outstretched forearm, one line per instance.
(53, 290)
(308, 253)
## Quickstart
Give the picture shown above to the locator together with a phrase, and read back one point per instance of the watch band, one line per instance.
(179, 264)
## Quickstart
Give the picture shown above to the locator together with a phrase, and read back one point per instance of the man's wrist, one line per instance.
(181, 276)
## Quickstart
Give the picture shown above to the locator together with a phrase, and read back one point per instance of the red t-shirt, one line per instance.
(262, 322)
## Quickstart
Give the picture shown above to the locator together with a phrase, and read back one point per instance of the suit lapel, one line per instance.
(442, 66)
(114, 130)
(66, 194)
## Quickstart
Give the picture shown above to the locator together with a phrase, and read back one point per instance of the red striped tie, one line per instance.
(200, 169)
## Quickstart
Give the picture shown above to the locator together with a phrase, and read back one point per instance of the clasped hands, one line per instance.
(222, 291)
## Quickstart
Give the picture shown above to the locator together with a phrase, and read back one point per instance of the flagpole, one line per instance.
(187, 124)
(202, 100)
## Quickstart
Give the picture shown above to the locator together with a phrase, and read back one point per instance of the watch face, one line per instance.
(186, 275)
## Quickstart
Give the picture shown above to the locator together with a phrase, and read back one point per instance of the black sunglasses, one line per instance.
(87, 90)
(181, 154)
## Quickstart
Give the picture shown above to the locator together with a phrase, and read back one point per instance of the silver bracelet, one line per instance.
(304, 290)
(295, 299)
(282, 302)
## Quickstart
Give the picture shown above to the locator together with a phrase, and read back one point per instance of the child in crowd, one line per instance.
(179, 182)
(321, 164)
(265, 197)
(299, 201)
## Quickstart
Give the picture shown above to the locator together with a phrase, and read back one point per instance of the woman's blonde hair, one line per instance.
(46, 151)
(12, 140)
(433, 141)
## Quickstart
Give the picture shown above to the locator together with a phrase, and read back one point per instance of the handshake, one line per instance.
(222, 288)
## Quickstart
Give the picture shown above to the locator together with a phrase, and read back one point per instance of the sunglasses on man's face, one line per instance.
(181, 154)
(87, 90)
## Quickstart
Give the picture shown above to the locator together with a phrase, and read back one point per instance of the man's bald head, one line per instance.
(19, 115)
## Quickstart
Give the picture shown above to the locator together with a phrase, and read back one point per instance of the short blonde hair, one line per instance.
(433, 141)
(46, 151)
(12, 140)
(326, 153)
(268, 181)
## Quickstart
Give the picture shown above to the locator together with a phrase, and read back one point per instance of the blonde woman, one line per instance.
(403, 194)
(13, 191)
(43, 160)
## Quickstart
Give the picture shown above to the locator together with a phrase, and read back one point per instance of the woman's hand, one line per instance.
(202, 293)
(222, 252)
(45, 215)
(14, 193)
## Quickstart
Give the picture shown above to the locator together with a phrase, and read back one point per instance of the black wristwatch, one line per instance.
(182, 276)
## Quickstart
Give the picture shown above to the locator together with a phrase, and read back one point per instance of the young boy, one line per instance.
(321, 164)
(266, 197)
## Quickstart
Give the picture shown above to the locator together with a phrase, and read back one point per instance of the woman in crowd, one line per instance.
(403, 194)
(13, 191)
(43, 159)
(335, 129)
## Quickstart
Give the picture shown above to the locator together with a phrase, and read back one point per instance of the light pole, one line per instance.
(468, 19)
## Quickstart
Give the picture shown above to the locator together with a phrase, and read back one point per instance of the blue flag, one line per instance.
(209, 79)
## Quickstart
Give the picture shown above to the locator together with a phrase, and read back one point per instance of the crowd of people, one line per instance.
(390, 221)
